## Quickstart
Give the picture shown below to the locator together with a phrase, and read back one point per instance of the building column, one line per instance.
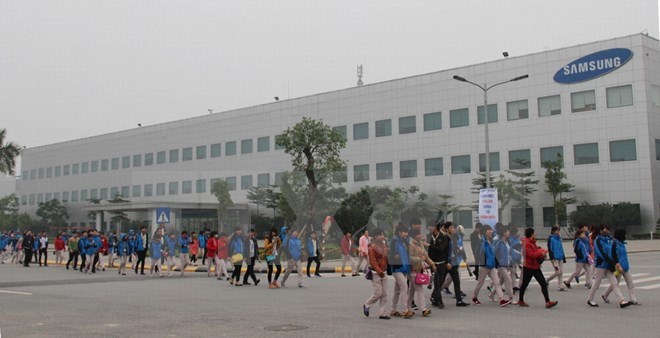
(99, 220)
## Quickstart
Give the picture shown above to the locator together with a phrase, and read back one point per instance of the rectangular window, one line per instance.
(408, 169)
(25, 175)
(494, 162)
(57, 196)
(619, 96)
(200, 186)
(342, 130)
(148, 190)
(75, 169)
(246, 146)
(657, 149)
(263, 144)
(263, 180)
(174, 155)
(230, 148)
(585, 153)
(246, 182)
(384, 128)
(114, 191)
(463, 217)
(95, 166)
(115, 163)
(517, 110)
(432, 121)
(433, 166)
(125, 162)
(74, 196)
(94, 194)
(583, 101)
(32, 199)
(384, 171)
(407, 125)
(460, 164)
(278, 137)
(361, 131)
(549, 106)
(549, 217)
(125, 191)
(231, 183)
(631, 209)
(187, 154)
(40, 198)
(551, 153)
(137, 189)
(186, 187)
(216, 149)
(137, 160)
(200, 152)
(278, 178)
(84, 167)
(624, 150)
(58, 171)
(33, 174)
(49, 196)
(459, 118)
(160, 189)
(49, 173)
(341, 175)
(520, 159)
(103, 194)
(492, 114)
(24, 200)
(655, 95)
(173, 188)
(83, 195)
(148, 159)
(361, 173)
(523, 216)
(161, 157)
(65, 196)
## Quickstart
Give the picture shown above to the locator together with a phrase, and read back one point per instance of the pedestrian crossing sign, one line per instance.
(163, 215)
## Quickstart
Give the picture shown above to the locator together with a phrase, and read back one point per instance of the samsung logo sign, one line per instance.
(593, 65)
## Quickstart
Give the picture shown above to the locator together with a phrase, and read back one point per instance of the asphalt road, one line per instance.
(54, 302)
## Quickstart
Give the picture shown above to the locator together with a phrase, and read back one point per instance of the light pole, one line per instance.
(485, 88)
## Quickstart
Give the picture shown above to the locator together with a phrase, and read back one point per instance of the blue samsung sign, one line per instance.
(593, 65)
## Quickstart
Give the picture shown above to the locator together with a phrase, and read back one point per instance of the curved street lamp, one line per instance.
(485, 87)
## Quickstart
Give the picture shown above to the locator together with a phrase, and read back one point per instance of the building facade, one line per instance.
(425, 130)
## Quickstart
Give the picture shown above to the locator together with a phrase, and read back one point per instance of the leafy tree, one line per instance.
(314, 148)
(272, 200)
(9, 205)
(8, 153)
(388, 203)
(445, 207)
(416, 205)
(524, 182)
(257, 196)
(53, 213)
(327, 199)
(220, 190)
(626, 214)
(557, 187)
(355, 211)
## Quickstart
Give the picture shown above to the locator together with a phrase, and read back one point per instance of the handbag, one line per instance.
(236, 258)
(422, 279)
(369, 275)
(270, 258)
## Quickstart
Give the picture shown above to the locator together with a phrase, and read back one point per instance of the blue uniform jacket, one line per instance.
(294, 247)
(489, 255)
(156, 246)
(603, 248)
(581, 251)
(555, 248)
(620, 254)
(502, 254)
(184, 242)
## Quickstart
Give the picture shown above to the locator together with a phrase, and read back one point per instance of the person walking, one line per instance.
(43, 248)
(72, 244)
(203, 241)
(581, 250)
(294, 248)
(488, 269)
(210, 252)
(184, 244)
(456, 255)
(363, 251)
(620, 258)
(91, 248)
(123, 252)
(557, 257)
(141, 247)
(475, 243)
(533, 257)
(250, 255)
(156, 255)
(346, 250)
(605, 265)
(194, 248)
(82, 248)
(400, 269)
(221, 259)
(271, 246)
(438, 251)
(378, 263)
(236, 250)
(313, 254)
(28, 247)
(59, 248)
(505, 263)
(170, 252)
(418, 259)
(112, 249)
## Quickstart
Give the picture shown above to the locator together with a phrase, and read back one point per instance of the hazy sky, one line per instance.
(72, 69)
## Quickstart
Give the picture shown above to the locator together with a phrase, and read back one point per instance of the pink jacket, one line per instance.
(364, 246)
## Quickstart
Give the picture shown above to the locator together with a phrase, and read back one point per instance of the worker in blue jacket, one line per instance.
(557, 258)
(294, 248)
(620, 258)
(203, 237)
(605, 267)
(184, 245)
(581, 250)
(123, 252)
(488, 268)
(502, 249)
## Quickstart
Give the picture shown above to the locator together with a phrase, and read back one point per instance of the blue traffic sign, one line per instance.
(163, 215)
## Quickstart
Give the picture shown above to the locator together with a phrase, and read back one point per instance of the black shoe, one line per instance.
(247, 283)
(257, 282)
(317, 275)
(67, 267)
(383, 317)
(308, 276)
(441, 305)
(462, 304)
(142, 273)
(446, 291)
(625, 304)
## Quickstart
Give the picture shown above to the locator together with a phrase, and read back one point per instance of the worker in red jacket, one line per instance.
(347, 247)
(211, 251)
(534, 256)
(59, 248)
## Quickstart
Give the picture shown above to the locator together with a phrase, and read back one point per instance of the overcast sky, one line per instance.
(72, 69)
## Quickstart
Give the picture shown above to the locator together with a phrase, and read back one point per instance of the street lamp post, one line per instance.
(485, 89)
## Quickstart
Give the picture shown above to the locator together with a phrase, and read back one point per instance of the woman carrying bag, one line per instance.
(417, 277)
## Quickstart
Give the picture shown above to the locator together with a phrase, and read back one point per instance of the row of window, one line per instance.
(547, 106)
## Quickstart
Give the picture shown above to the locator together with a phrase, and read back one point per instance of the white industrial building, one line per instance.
(422, 130)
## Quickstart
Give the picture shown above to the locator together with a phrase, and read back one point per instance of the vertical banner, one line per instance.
(488, 206)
